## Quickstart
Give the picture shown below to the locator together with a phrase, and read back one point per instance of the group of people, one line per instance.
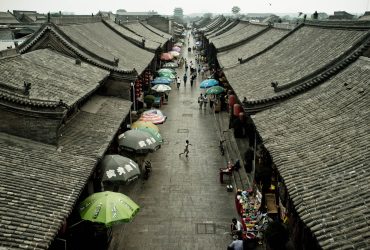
(203, 101)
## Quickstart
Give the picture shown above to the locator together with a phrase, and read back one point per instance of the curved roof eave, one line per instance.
(78, 50)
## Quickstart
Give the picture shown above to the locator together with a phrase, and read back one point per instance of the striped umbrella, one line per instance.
(143, 124)
(151, 117)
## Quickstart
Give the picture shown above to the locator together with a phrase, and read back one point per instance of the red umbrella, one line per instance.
(166, 57)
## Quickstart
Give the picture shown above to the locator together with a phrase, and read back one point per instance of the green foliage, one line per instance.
(149, 99)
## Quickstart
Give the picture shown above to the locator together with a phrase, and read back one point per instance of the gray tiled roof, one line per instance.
(302, 53)
(138, 39)
(229, 38)
(38, 189)
(157, 31)
(104, 42)
(40, 184)
(80, 136)
(141, 30)
(230, 57)
(214, 24)
(53, 76)
(219, 27)
(231, 32)
(7, 18)
(202, 22)
(320, 143)
(223, 29)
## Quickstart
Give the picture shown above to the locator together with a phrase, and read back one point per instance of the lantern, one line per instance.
(237, 109)
(232, 100)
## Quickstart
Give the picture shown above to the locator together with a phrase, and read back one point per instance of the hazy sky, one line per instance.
(189, 6)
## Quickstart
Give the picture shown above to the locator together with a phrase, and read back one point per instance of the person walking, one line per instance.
(205, 100)
(211, 101)
(186, 149)
(200, 100)
(185, 79)
(178, 81)
(192, 78)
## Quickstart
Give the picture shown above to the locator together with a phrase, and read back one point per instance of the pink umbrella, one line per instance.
(178, 49)
(166, 57)
(152, 117)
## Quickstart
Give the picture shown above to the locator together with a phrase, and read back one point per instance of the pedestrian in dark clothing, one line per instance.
(192, 80)
(248, 158)
(185, 79)
(211, 101)
(186, 66)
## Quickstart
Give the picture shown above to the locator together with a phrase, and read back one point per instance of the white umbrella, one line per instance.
(174, 53)
(161, 88)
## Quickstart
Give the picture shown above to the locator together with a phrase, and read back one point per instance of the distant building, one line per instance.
(258, 17)
(322, 16)
(29, 17)
(272, 19)
(124, 16)
(7, 18)
(178, 15)
(341, 15)
(107, 15)
(366, 16)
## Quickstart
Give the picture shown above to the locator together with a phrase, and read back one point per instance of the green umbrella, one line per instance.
(215, 90)
(165, 74)
(167, 70)
(108, 208)
(153, 132)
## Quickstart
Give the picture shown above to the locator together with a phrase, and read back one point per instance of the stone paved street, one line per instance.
(183, 204)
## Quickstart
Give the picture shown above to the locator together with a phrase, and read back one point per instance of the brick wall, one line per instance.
(41, 129)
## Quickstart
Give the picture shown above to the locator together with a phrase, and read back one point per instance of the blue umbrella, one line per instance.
(161, 80)
(208, 83)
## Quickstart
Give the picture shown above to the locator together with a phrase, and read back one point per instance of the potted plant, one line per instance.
(149, 100)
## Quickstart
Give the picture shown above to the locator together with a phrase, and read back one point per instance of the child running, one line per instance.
(186, 149)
